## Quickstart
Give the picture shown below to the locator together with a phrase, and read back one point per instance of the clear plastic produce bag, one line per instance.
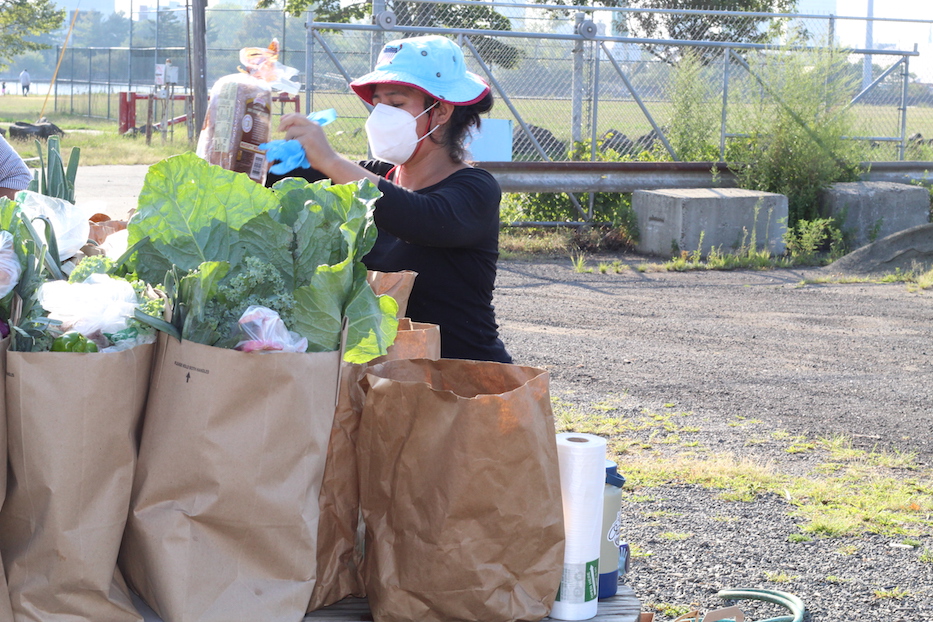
(101, 303)
(69, 221)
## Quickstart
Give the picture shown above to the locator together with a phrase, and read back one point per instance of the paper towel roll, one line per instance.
(582, 461)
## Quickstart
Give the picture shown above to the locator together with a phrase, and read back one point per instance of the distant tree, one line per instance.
(93, 30)
(21, 21)
(258, 28)
(697, 27)
(171, 31)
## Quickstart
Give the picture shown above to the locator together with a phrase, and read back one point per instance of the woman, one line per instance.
(438, 216)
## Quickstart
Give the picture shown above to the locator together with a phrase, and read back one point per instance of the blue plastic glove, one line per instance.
(289, 153)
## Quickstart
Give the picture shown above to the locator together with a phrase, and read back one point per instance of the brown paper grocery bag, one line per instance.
(72, 423)
(340, 550)
(6, 613)
(414, 340)
(395, 284)
(224, 517)
(460, 492)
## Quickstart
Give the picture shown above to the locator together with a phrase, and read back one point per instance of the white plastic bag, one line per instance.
(69, 222)
(101, 303)
(10, 268)
(266, 332)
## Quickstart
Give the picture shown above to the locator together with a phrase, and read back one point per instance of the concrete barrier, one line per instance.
(871, 210)
(674, 220)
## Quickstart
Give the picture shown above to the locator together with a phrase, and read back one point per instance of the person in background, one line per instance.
(14, 174)
(437, 216)
(24, 81)
(4, 88)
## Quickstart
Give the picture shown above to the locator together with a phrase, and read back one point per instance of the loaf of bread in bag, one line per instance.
(238, 120)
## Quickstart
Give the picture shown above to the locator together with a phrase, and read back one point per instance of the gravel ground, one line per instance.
(748, 355)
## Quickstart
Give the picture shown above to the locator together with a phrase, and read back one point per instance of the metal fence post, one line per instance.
(58, 54)
(109, 94)
(905, 73)
(71, 99)
(576, 85)
(129, 54)
(595, 122)
(309, 60)
(90, 70)
(377, 38)
(725, 102)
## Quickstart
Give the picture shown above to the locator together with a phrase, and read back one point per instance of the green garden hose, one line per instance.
(788, 601)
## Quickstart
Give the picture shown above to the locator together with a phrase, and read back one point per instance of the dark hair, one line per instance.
(461, 120)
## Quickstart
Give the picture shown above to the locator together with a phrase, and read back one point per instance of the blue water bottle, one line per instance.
(610, 548)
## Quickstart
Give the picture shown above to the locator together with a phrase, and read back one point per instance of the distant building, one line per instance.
(148, 10)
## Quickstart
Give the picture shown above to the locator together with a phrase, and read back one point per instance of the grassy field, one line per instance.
(101, 144)
(97, 138)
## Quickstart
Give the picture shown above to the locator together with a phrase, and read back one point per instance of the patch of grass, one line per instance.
(800, 445)
(834, 579)
(779, 577)
(924, 281)
(636, 550)
(926, 556)
(894, 593)
(856, 492)
(914, 279)
(524, 242)
(674, 535)
(578, 260)
(799, 537)
(847, 549)
(911, 542)
(670, 610)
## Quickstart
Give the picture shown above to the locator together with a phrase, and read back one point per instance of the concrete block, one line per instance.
(871, 210)
(674, 220)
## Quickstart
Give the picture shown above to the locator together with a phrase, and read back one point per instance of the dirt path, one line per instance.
(828, 359)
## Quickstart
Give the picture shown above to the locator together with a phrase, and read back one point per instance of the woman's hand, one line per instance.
(320, 154)
(312, 139)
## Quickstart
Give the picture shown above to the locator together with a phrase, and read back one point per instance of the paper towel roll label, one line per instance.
(579, 583)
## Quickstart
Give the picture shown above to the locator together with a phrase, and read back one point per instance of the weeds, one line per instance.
(799, 110)
(894, 593)
(673, 535)
(579, 263)
(670, 610)
(851, 492)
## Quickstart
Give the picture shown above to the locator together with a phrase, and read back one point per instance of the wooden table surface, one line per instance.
(623, 607)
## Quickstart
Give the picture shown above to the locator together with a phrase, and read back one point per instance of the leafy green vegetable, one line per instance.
(52, 179)
(94, 264)
(28, 325)
(296, 248)
(191, 212)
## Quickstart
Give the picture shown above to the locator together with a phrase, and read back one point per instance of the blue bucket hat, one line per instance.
(432, 64)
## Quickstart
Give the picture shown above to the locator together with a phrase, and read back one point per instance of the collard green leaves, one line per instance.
(192, 212)
(313, 234)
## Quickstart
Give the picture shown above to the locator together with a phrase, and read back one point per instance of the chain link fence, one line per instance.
(678, 84)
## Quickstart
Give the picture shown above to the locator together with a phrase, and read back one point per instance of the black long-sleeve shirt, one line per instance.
(449, 234)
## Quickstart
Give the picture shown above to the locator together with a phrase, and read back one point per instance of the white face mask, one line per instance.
(393, 133)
